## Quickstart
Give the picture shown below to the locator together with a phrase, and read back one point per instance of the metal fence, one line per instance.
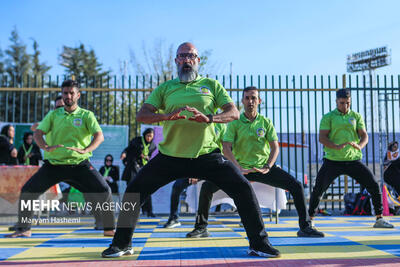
(295, 104)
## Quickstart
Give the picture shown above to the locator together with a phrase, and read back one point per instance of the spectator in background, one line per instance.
(8, 153)
(29, 152)
(392, 166)
(110, 173)
(134, 157)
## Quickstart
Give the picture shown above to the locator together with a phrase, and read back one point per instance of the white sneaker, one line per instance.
(382, 223)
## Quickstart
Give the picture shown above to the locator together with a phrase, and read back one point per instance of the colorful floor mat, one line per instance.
(348, 240)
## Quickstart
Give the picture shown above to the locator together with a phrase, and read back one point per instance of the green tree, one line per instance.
(84, 65)
(1, 62)
(18, 60)
(38, 69)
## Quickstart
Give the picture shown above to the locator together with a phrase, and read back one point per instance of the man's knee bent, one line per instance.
(296, 185)
(31, 188)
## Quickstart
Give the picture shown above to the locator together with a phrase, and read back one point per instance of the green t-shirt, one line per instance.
(220, 129)
(184, 138)
(250, 140)
(71, 130)
(343, 128)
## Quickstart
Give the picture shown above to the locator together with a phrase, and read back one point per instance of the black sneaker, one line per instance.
(115, 252)
(309, 231)
(172, 223)
(198, 232)
(266, 251)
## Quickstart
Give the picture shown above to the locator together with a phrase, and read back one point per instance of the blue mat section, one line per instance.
(39, 235)
(87, 242)
(304, 241)
(392, 249)
(217, 225)
(149, 230)
(169, 235)
(195, 253)
(148, 223)
(389, 232)
(225, 234)
(88, 231)
(340, 224)
(5, 253)
(183, 234)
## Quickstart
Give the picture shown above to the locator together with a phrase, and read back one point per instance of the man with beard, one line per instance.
(189, 149)
(251, 143)
(66, 152)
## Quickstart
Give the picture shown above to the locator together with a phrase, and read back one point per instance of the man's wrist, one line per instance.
(210, 118)
(164, 117)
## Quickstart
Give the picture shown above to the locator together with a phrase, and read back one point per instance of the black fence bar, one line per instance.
(295, 107)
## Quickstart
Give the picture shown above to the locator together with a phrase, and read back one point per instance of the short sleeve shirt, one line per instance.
(250, 140)
(73, 129)
(184, 138)
(342, 128)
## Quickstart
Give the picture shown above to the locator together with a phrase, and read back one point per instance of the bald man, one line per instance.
(189, 149)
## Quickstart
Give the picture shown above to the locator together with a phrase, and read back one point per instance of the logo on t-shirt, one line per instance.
(352, 121)
(261, 132)
(78, 122)
(204, 90)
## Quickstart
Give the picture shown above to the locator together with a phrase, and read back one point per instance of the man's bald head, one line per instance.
(187, 46)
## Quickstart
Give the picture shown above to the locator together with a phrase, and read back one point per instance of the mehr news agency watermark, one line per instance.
(71, 207)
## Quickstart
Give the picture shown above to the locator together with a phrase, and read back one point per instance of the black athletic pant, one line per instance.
(392, 175)
(330, 170)
(147, 207)
(177, 189)
(82, 176)
(276, 177)
(163, 169)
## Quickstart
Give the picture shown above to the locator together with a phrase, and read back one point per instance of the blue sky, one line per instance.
(258, 37)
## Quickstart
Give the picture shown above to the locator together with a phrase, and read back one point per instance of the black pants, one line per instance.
(392, 175)
(330, 170)
(177, 189)
(276, 177)
(129, 173)
(163, 169)
(147, 207)
(83, 176)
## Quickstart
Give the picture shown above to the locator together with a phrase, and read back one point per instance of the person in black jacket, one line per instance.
(110, 173)
(134, 157)
(392, 166)
(8, 153)
(29, 152)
